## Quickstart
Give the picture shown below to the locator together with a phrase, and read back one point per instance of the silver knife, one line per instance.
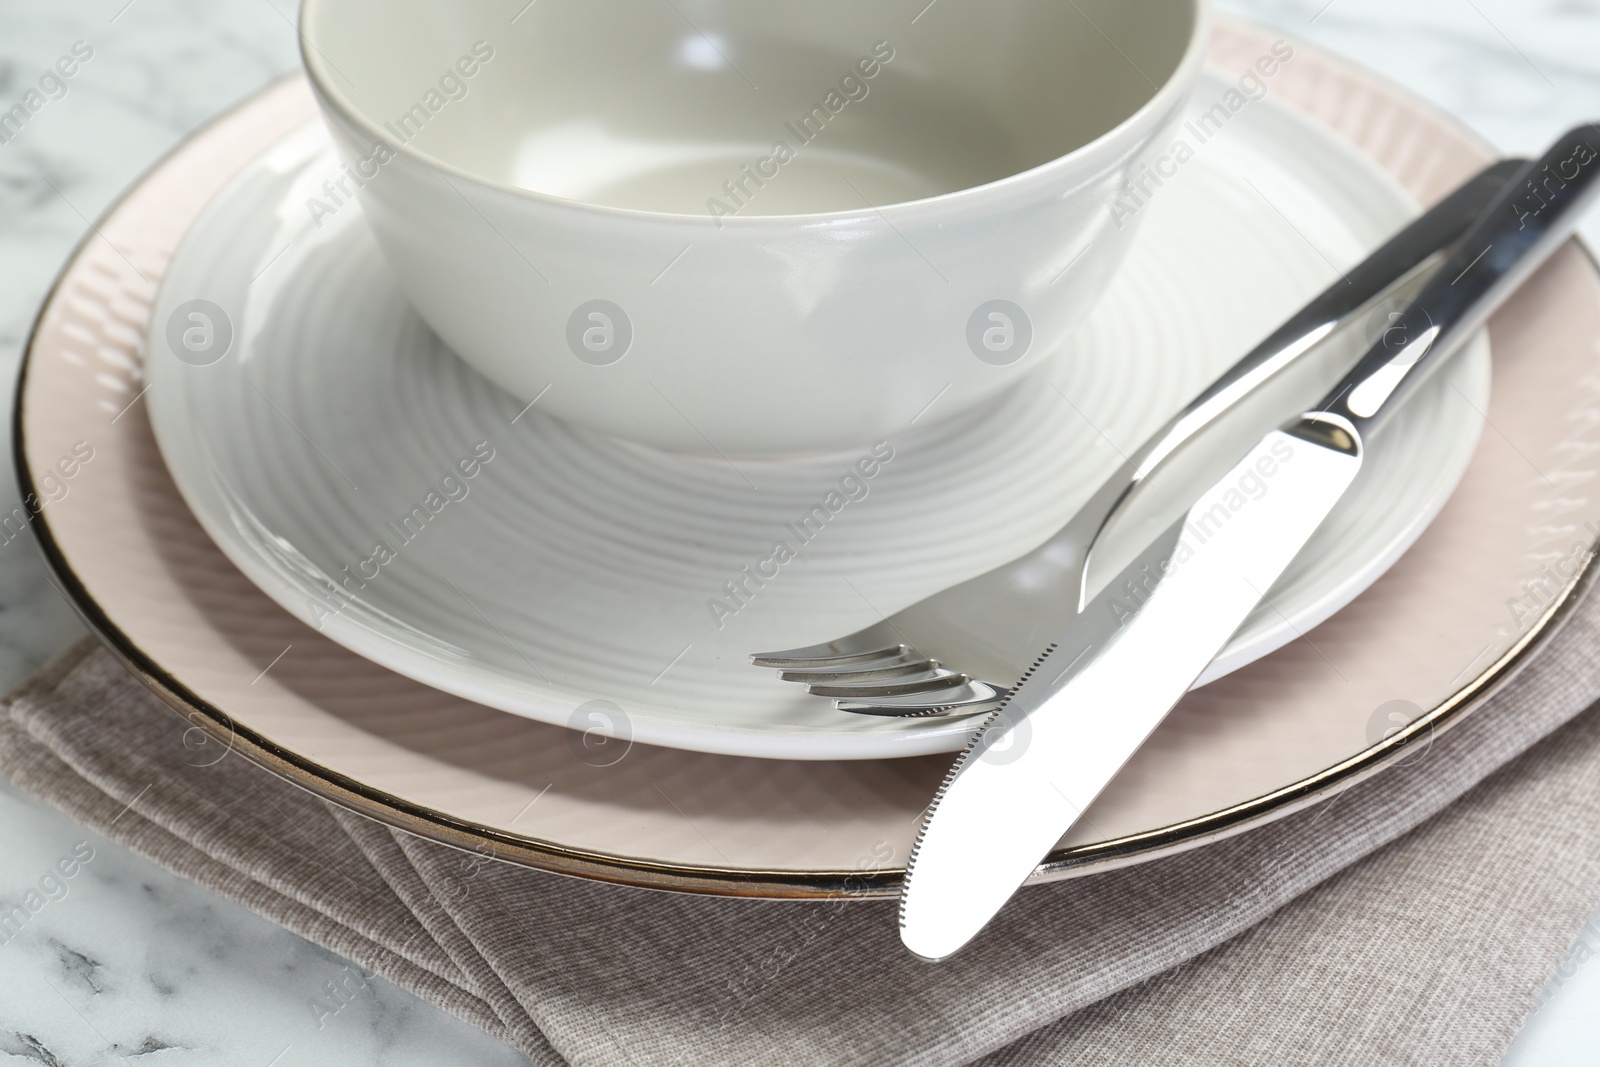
(1115, 670)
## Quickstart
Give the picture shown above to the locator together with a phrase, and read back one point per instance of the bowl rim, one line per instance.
(1059, 175)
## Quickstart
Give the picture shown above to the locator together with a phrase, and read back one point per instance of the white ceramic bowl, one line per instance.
(749, 228)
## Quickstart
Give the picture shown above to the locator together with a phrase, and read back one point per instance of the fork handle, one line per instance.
(1430, 234)
(1526, 222)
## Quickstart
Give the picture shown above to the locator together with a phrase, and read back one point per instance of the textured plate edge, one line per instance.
(1074, 861)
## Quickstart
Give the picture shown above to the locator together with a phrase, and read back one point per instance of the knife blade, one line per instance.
(1112, 673)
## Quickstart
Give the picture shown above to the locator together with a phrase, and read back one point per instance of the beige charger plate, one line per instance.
(1435, 632)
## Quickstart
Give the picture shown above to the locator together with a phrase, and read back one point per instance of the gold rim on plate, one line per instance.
(730, 880)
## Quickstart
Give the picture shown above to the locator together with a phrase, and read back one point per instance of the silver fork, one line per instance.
(899, 666)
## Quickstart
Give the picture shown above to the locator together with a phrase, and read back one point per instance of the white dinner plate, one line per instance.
(384, 493)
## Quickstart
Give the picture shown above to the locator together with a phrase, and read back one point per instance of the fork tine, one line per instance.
(814, 657)
(929, 685)
(878, 682)
(899, 667)
(890, 711)
(970, 699)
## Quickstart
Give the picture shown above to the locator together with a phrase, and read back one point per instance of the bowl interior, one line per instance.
(754, 108)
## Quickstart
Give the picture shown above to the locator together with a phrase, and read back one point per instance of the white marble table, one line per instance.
(136, 963)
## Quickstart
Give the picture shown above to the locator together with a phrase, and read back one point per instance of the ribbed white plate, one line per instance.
(573, 567)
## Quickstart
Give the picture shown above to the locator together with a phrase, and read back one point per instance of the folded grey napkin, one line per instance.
(1411, 919)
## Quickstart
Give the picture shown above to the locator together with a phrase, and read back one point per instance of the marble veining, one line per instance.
(123, 963)
(127, 964)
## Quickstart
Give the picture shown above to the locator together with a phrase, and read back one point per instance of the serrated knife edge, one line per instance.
(1012, 806)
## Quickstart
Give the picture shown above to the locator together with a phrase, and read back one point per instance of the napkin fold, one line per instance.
(1367, 928)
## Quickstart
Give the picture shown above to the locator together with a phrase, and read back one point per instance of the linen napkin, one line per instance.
(1368, 928)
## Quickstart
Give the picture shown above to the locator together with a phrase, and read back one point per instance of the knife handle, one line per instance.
(1517, 232)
